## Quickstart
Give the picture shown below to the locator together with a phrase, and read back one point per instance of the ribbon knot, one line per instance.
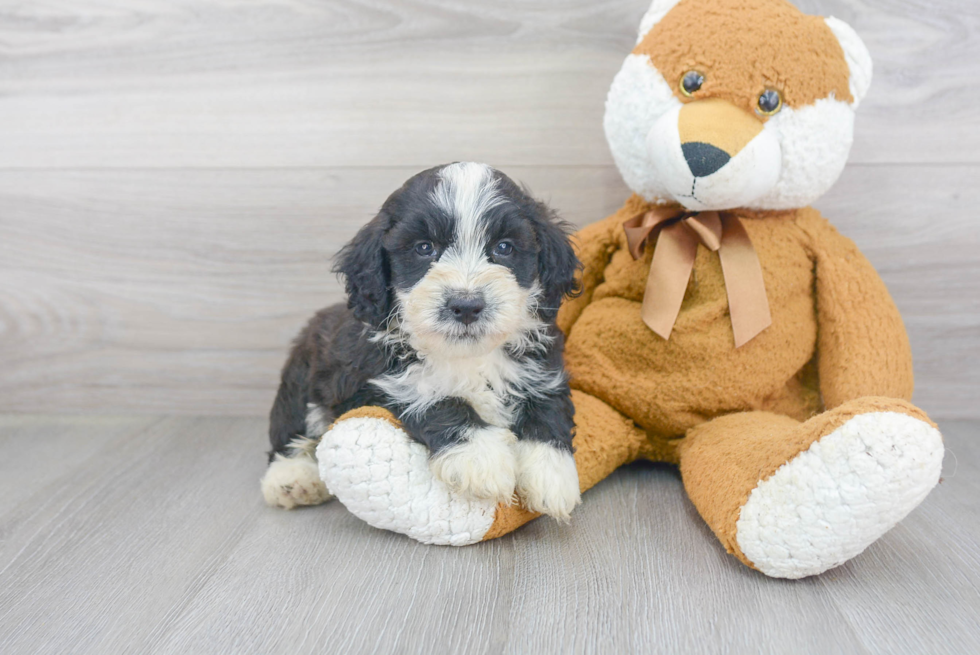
(678, 234)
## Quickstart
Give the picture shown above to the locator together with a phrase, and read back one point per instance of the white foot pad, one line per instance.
(833, 500)
(383, 478)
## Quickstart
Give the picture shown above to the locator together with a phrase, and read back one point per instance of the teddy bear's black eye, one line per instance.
(691, 82)
(425, 248)
(770, 102)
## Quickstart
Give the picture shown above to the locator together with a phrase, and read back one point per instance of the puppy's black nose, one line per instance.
(466, 309)
(703, 158)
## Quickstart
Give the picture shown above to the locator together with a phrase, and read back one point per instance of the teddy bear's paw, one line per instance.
(833, 500)
(291, 482)
(382, 476)
(481, 466)
(547, 479)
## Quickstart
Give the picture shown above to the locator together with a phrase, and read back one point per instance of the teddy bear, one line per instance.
(723, 325)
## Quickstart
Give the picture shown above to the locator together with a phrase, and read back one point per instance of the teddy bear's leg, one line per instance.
(604, 441)
(795, 499)
(382, 476)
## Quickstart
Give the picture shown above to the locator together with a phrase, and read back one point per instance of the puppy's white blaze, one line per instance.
(481, 466)
(467, 192)
(547, 479)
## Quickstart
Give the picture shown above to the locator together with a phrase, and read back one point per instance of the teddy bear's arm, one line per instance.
(594, 245)
(863, 349)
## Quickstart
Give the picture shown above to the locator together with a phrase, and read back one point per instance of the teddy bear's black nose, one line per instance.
(703, 158)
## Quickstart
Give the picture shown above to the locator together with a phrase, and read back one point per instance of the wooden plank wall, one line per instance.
(175, 175)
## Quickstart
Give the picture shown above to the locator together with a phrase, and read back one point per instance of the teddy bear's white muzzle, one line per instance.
(701, 176)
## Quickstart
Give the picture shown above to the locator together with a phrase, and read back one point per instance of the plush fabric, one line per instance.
(670, 386)
(744, 46)
(381, 476)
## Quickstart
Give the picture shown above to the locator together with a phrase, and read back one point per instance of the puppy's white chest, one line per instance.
(491, 406)
(485, 383)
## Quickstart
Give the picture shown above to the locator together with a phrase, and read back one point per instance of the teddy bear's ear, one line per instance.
(857, 55)
(658, 9)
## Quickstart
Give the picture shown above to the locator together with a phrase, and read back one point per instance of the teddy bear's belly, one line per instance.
(669, 386)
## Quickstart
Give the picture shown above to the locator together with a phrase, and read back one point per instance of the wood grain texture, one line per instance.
(179, 291)
(155, 540)
(175, 176)
(123, 83)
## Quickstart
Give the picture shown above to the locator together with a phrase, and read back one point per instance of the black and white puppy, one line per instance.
(452, 292)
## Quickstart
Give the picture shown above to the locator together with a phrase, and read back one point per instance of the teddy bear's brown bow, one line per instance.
(673, 259)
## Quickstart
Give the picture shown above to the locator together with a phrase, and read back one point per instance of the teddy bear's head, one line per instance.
(736, 103)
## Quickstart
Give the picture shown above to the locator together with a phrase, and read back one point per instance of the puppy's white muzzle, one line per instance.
(433, 330)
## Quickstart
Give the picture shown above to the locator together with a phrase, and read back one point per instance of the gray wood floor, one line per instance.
(145, 534)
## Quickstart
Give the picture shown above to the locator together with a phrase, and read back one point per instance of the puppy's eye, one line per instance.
(425, 249)
(691, 82)
(770, 102)
(503, 249)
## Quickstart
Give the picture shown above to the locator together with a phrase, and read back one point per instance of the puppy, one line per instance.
(453, 289)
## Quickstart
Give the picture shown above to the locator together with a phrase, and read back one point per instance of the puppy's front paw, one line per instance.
(481, 466)
(290, 482)
(547, 479)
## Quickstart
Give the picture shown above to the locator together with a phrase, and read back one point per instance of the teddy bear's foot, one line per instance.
(293, 481)
(383, 477)
(834, 499)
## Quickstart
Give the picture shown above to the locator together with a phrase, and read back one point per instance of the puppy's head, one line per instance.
(460, 261)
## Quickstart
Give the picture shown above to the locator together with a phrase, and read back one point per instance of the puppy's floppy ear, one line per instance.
(557, 262)
(364, 267)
